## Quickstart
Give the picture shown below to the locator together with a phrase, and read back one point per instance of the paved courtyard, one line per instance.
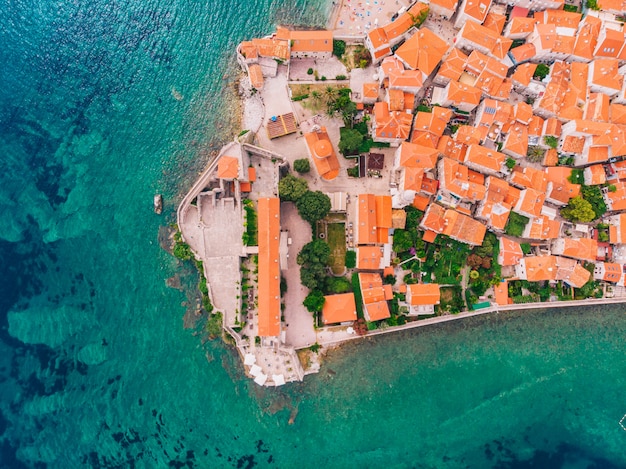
(222, 221)
(299, 322)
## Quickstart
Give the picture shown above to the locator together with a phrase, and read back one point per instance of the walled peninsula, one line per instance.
(414, 163)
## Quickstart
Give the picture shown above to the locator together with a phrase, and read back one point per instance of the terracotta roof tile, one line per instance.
(423, 294)
(339, 308)
(269, 270)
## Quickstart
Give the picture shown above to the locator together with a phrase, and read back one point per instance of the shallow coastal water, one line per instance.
(104, 104)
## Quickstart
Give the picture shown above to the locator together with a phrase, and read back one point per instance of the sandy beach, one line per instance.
(358, 17)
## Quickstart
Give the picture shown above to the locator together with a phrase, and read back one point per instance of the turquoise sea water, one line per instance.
(104, 104)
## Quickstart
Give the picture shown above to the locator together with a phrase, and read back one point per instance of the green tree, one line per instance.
(313, 259)
(402, 240)
(350, 141)
(593, 195)
(302, 165)
(578, 210)
(339, 48)
(314, 301)
(291, 188)
(541, 71)
(350, 259)
(313, 206)
(337, 285)
(510, 163)
(551, 141)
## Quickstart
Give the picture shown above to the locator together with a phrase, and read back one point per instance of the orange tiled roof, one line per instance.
(495, 22)
(510, 252)
(517, 140)
(485, 158)
(463, 94)
(540, 268)
(373, 296)
(368, 257)
(485, 37)
(256, 76)
(530, 202)
(463, 228)
(617, 113)
(417, 156)
(396, 99)
(585, 249)
(428, 127)
(523, 112)
(610, 44)
(605, 73)
(543, 228)
(552, 127)
(270, 47)
(612, 272)
(587, 37)
(370, 90)
(562, 189)
(423, 294)
(594, 175)
(366, 229)
(269, 271)
(530, 177)
(422, 51)
(501, 291)
(535, 126)
(468, 135)
(228, 167)
(617, 199)
(339, 308)
(524, 73)
(477, 10)
(452, 149)
(447, 4)
(521, 25)
(383, 211)
(551, 157)
(322, 154)
(453, 66)
(378, 37)
(571, 272)
(524, 52)
(405, 79)
(391, 124)
(420, 202)
(455, 178)
(597, 108)
(617, 228)
(412, 179)
(307, 40)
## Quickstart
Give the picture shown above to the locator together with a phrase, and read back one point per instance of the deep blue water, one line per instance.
(96, 367)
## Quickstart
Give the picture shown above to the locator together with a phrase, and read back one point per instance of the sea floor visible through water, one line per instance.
(105, 104)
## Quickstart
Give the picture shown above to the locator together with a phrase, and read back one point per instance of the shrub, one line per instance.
(510, 163)
(302, 165)
(516, 224)
(309, 71)
(323, 78)
(551, 141)
(541, 71)
(350, 259)
(340, 77)
(339, 48)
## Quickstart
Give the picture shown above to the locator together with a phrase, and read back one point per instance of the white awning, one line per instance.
(279, 380)
(261, 379)
(249, 359)
(256, 370)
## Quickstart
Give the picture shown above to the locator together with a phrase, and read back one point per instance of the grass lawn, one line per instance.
(451, 300)
(336, 238)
